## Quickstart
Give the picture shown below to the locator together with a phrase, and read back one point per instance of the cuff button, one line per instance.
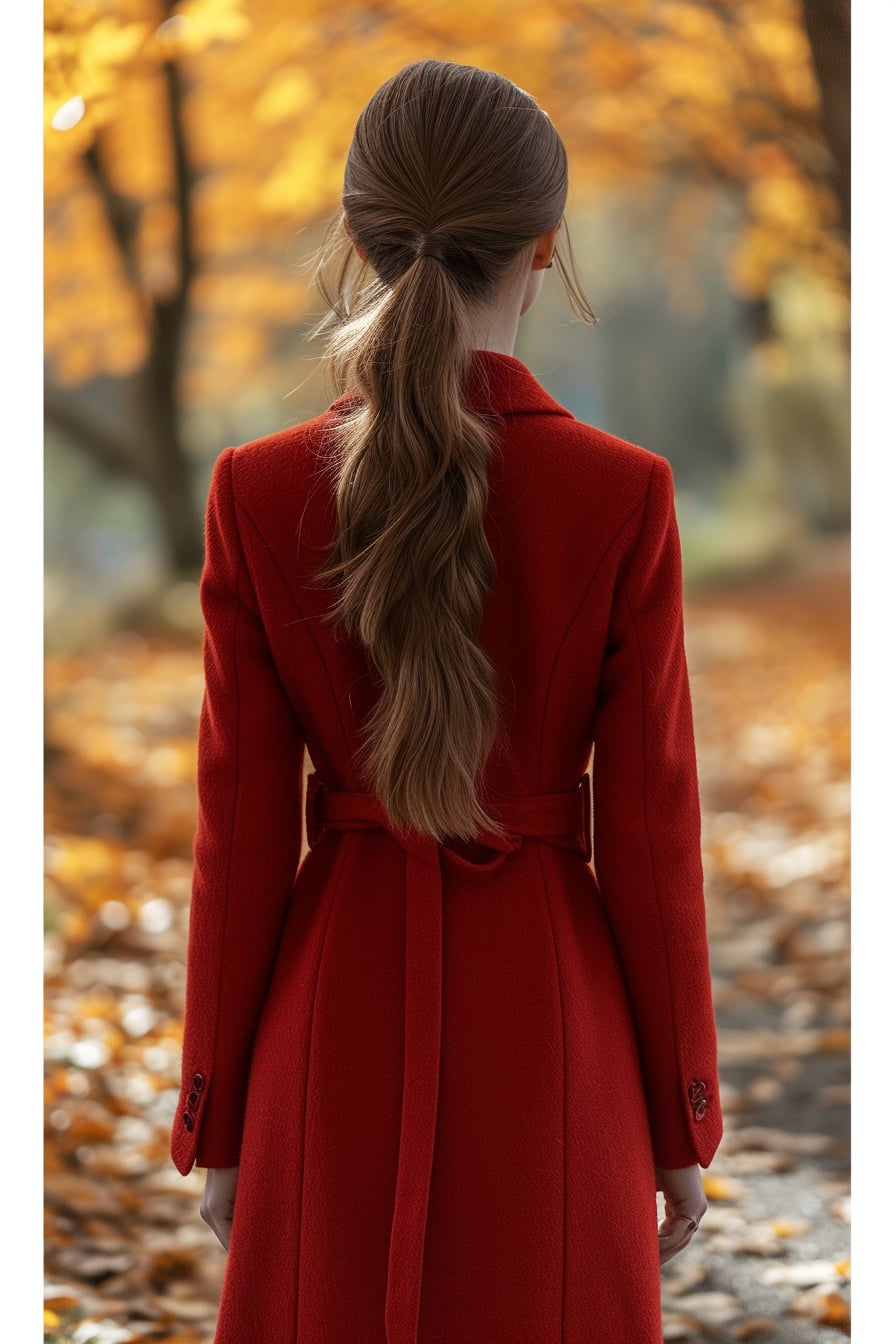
(188, 1119)
(192, 1098)
(699, 1109)
(198, 1080)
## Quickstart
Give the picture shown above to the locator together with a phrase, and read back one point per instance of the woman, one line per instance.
(438, 1074)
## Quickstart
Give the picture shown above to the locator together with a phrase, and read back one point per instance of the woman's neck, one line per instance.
(495, 325)
(495, 330)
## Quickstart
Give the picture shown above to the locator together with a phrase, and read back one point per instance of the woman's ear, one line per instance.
(361, 254)
(544, 248)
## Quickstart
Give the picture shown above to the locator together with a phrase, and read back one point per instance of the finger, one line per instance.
(680, 1235)
(219, 1220)
(221, 1228)
(675, 1239)
(669, 1249)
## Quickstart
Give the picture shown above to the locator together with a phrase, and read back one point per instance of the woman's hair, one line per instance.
(452, 175)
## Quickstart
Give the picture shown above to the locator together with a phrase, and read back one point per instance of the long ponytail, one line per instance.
(409, 459)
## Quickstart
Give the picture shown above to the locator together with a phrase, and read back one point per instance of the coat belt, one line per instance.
(562, 819)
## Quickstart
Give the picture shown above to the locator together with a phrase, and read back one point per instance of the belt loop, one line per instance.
(586, 814)
(313, 825)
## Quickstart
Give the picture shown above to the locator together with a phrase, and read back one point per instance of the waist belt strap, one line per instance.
(562, 819)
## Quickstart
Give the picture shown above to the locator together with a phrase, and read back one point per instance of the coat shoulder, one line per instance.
(274, 467)
(602, 472)
(282, 448)
(608, 455)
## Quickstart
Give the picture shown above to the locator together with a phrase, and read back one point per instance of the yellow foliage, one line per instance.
(243, 295)
(210, 21)
(694, 23)
(779, 38)
(288, 93)
(110, 43)
(780, 201)
(235, 345)
(267, 98)
(121, 351)
(682, 72)
(305, 179)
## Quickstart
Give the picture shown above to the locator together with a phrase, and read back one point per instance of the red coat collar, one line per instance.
(501, 384)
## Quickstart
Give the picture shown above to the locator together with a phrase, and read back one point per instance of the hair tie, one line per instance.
(428, 247)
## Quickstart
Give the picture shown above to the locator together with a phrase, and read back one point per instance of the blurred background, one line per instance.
(194, 152)
(193, 156)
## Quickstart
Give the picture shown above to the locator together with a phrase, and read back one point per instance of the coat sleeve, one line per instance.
(246, 846)
(647, 849)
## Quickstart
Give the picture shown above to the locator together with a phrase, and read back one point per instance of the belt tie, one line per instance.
(562, 819)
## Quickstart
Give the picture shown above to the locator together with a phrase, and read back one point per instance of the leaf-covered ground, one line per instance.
(128, 1257)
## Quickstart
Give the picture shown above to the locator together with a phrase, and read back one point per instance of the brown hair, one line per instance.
(452, 174)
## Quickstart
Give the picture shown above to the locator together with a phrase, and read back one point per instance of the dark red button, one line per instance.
(700, 1110)
(697, 1089)
(198, 1080)
(188, 1120)
(193, 1098)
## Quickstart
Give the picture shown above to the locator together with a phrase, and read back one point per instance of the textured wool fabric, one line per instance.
(577, 1042)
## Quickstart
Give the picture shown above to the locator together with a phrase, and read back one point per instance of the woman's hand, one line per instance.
(686, 1204)
(218, 1200)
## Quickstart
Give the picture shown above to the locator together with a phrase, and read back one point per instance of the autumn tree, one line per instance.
(188, 144)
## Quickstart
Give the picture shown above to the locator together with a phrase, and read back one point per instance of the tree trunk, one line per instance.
(181, 523)
(827, 24)
(150, 447)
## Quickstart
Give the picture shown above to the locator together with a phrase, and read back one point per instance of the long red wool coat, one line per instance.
(446, 1072)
